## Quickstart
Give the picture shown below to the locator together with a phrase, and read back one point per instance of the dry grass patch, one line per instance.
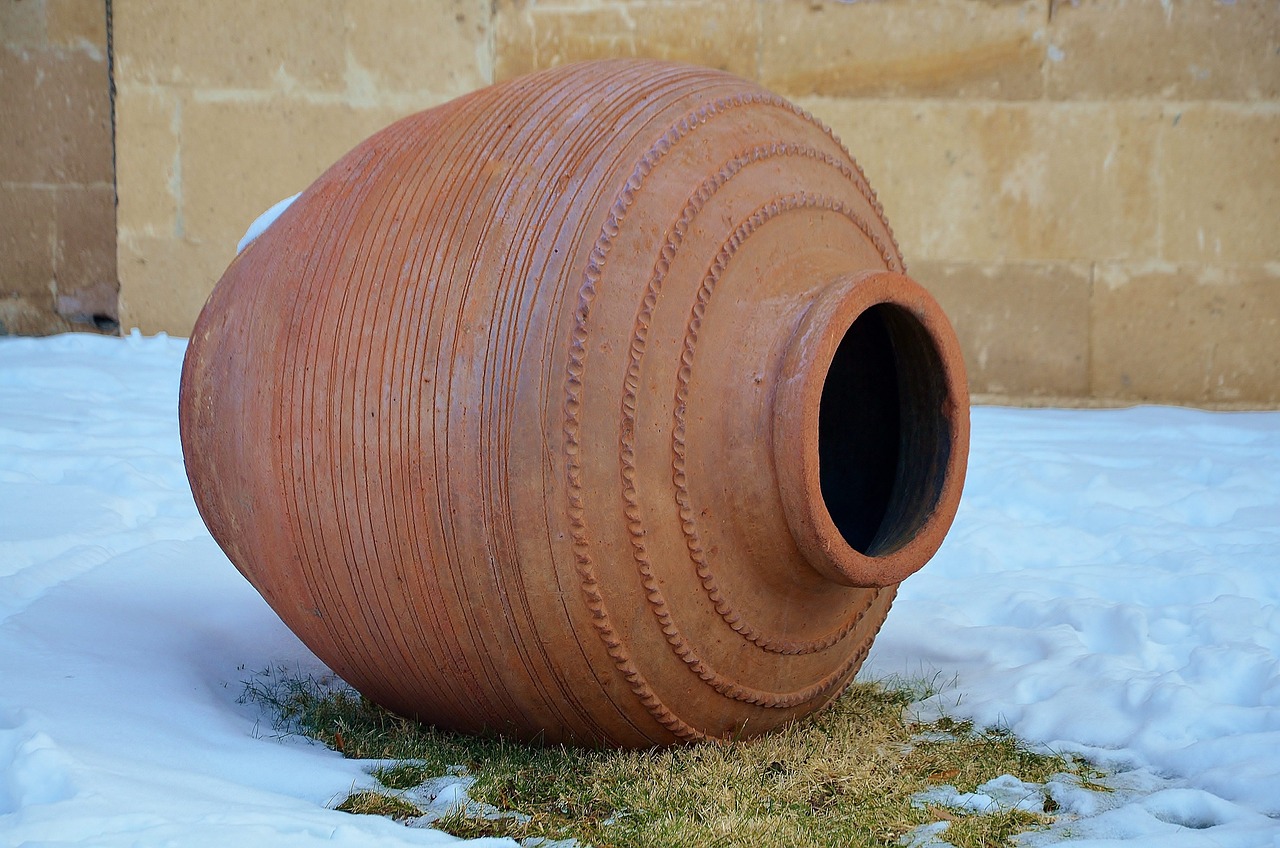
(368, 803)
(847, 777)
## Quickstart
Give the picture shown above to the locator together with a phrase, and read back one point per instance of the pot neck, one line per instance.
(870, 429)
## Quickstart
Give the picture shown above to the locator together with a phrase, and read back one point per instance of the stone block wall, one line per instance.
(225, 107)
(57, 201)
(1090, 187)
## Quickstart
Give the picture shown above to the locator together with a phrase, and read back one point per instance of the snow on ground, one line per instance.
(1111, 588)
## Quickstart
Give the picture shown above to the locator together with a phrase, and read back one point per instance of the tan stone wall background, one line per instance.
(57, 202)
(1091, 188)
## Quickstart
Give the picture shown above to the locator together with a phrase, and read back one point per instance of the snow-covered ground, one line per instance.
(1111, 587)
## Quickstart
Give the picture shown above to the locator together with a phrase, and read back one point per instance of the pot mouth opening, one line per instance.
(884, 434)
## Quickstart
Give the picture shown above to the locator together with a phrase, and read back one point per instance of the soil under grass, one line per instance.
(846, 777)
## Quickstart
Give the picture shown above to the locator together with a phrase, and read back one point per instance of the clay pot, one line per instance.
(593, 406)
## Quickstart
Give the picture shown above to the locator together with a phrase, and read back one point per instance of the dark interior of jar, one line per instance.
(884, 438)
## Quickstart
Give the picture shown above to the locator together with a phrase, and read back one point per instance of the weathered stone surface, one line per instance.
(23, 24)
(983, 182)
(952, 48)
(26, 241)
(57, 217)
(166, 281)
(85, 255)
(1220, 174)
(250, 44)
(440, 48)
(715, 33)
(1048, 136)
(240, 157)
(29, 316)
(1191, 334)
(79, 24)
(1175, 49)
(1023, 327)
(148, 167)
(57, 117)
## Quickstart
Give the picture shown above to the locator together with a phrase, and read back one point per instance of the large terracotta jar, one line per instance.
(593, 406)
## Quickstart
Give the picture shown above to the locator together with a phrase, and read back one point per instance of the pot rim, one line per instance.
(797, 404)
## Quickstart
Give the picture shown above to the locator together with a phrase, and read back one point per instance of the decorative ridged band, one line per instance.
(574, 385)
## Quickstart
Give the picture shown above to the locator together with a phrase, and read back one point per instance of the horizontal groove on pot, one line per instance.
(488, 414)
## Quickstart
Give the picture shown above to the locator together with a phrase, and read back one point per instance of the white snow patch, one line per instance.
(927, 836)
(1005, 792)
(266, 219)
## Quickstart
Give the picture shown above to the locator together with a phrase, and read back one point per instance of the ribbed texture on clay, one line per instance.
(486, 414)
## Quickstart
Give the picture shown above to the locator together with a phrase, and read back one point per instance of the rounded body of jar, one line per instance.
(593, 406)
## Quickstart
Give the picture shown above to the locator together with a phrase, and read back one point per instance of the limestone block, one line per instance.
(23, 24)
(983, 182)
(26, 241)
(716, 33)
(240, 157)
(1176, 49)
(953, 48)
(80, 24)
(29, 316)
(27, 128)
(237, 44)
(1190, 334)
(85, 254)
(1023, 327)
(513, 52)
(148, 167)
(1220, 169)
(57, 117)
(164, 282)
(439, 47)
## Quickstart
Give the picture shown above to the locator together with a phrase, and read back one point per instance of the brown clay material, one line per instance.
(593, 406)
